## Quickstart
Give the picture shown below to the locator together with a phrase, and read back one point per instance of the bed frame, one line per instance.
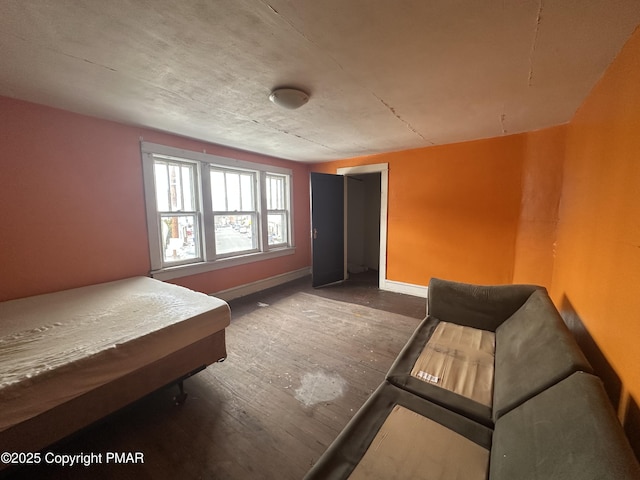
(160, 334)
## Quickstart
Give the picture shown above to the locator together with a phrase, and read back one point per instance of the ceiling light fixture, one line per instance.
(290, 98)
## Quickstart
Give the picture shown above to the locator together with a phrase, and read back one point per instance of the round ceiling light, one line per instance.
(290, 98)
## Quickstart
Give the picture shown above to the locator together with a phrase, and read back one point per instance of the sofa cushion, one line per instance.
(410, 373)
(568, 431)
(399, 435)
(459, 359)
(419, 447)
(534, 350)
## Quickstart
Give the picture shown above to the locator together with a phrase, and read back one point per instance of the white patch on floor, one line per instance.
(320, 386)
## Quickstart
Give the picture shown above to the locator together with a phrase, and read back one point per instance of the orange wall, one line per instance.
(453, 210)
(597, 268)
(542, 156)
(72, 204)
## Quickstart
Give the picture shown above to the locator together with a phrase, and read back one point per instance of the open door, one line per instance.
(327, 228)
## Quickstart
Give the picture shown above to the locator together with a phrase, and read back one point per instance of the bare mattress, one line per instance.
(69, 358)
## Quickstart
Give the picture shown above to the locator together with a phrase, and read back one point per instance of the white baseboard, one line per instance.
(253, 287)
(406, 288)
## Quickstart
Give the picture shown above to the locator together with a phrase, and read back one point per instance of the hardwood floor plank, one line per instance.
(253, 416)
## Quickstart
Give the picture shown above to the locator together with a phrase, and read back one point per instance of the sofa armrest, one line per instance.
(477, 306)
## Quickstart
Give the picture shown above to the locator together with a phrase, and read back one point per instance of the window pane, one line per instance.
(162, 186)
(175, 186)
(235, 233)
(218, 192)
(275, 192)
(233, 192)
(246, 184)
(179, 238)
(187, 190)
(277, 224)
(270, 194)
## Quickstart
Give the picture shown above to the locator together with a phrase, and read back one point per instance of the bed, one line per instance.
(72, 357)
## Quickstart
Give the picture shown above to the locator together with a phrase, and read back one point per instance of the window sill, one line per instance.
(178, 271)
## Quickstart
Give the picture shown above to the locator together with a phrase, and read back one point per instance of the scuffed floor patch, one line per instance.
(320, 386)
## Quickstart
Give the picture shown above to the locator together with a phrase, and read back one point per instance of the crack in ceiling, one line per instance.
(503, 118)
(407, 124)
(287, 132)
(534, 43)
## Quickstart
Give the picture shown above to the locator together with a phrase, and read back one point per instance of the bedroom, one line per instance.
(554, 205)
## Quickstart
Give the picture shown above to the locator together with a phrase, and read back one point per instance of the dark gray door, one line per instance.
(327, 228)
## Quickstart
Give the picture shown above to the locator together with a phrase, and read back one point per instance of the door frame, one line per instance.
(383, 169)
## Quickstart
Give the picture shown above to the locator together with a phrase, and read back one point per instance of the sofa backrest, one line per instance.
(534, 350)
(477, 306)
(568, 432)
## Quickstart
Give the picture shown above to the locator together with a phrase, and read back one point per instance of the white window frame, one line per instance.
(196, 213)
(282, 211)
(209, 259)
(255, 213)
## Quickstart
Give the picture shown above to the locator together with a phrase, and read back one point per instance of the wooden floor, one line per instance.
(301, 362)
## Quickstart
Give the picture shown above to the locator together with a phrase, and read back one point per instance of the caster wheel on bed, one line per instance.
(180, 398)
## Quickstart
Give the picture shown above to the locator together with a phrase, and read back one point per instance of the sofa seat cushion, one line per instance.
(416, 369)
(534, 350)
(419, 447)
(459, 359)
(568, 431)
(399, 435)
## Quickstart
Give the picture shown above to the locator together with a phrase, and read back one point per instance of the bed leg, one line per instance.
(181, 397)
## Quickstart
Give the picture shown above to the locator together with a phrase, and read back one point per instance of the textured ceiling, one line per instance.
(383, 75)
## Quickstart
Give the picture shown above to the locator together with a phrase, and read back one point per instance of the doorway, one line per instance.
(363, 226)
(330, 223)
(382, 171)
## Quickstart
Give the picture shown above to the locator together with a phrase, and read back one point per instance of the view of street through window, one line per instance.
(234, 233)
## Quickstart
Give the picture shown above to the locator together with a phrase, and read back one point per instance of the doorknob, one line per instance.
(315, 233)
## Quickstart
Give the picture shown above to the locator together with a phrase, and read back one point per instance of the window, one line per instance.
(234, 210)
(277, 209)
(206, 212)
(177, 211)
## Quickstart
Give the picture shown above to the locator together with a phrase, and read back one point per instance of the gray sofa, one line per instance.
(490, 385)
